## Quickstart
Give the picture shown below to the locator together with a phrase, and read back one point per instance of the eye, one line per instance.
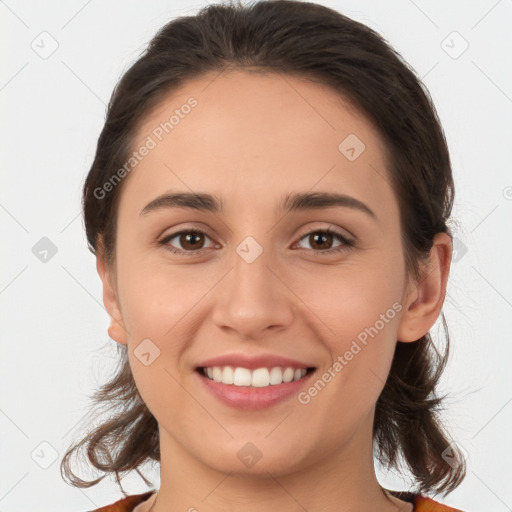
(324, 236)
(192, 241)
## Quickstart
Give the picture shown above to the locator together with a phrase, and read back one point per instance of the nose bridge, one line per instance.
(253, 281)
(251, 271)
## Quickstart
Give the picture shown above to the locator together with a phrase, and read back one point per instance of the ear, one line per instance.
(116, 330)
(423, 304)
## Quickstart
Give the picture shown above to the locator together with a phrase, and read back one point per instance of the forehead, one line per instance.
(244, 131)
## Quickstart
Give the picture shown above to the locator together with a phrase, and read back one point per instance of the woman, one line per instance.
(268, 207)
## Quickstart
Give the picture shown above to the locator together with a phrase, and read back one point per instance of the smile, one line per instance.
(255, 389)
(257, 378)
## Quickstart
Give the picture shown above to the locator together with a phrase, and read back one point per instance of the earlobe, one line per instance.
(116, 330)
(423, 305)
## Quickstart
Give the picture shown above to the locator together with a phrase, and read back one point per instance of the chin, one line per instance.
(249, 460)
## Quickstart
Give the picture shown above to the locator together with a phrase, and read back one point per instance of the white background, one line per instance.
(53, 323)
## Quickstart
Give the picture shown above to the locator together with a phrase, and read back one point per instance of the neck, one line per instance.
(340, 482)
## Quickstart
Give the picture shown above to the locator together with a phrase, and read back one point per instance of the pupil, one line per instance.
(323, 236)
(192, 236)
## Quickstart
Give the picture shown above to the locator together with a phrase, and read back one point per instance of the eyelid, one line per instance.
(332, 229)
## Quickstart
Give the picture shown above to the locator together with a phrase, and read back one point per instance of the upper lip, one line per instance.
(253, 362)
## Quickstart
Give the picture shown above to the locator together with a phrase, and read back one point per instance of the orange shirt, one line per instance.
(421, 503)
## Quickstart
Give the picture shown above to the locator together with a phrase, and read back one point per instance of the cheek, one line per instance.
(348, 298)
(160, 307)
(357, 310)
(157, 294)
(157, 312)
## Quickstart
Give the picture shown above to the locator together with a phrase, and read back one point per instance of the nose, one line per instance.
(253, 299)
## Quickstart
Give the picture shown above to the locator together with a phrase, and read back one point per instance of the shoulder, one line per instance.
(424, 504)
(125, 504)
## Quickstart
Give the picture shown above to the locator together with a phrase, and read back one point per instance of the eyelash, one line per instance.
(346, 242)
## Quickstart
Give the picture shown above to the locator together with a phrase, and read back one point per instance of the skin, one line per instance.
(251, 139)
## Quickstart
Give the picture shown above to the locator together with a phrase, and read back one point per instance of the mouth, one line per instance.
(253, 389)
(253, 378)
(253, 381)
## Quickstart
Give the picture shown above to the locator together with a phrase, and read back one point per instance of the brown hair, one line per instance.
(317, 43)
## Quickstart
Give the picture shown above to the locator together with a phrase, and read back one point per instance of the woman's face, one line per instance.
(259, 282)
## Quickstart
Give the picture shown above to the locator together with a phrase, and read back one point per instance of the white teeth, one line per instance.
(276, 376)
(217, 374)
(227, 375)
(288, 375)
(242, 377)
(258, 378)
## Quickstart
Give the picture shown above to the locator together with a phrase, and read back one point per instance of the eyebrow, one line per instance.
(297, 201)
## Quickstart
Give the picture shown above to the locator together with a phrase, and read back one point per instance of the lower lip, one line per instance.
(250, 398)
